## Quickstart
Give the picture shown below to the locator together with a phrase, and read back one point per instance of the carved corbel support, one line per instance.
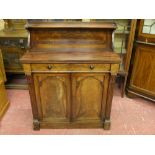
(27, 69)
(114, 69)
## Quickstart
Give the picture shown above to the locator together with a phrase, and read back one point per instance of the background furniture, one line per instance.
(141, 81)
(4, 103)
(124, 69)
(123, 40)
(71, 70)
(13, 42)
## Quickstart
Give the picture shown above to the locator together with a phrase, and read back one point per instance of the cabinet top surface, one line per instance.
(71, 57)
(106, 25)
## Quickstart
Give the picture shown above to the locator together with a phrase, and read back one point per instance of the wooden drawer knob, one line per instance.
(49, 67)
(91, 67)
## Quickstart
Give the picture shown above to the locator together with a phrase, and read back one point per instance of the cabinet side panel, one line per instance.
(4, 103)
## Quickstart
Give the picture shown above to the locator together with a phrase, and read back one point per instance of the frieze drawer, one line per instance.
(70, 67)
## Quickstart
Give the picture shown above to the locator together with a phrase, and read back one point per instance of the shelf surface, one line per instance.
(108, 25)
(71, 57)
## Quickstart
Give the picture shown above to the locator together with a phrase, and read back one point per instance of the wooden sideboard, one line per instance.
(71, 70)
(13, 47)
(13, 43)
(4, 103)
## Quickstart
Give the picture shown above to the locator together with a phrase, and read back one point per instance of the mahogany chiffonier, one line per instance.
(71, 70)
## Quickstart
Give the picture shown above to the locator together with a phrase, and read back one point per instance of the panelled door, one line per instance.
(71, 97)
(89, 93)
(53, 96)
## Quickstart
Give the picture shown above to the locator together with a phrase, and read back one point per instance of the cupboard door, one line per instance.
(53, 96)
(89, 94)
(143, 74)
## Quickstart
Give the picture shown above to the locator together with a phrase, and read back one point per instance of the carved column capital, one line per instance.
(27, 69)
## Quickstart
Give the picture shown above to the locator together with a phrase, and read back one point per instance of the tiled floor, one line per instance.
(129, 116)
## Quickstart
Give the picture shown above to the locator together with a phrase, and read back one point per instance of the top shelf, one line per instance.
(70, 57)
(101, 25)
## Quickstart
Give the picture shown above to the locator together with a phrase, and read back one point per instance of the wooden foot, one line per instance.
(36, 124)
(107, 124)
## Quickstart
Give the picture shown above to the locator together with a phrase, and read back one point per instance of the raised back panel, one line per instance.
(71, 36)
(71, 39)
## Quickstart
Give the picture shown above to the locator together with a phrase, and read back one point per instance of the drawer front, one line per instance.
(70, 67)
